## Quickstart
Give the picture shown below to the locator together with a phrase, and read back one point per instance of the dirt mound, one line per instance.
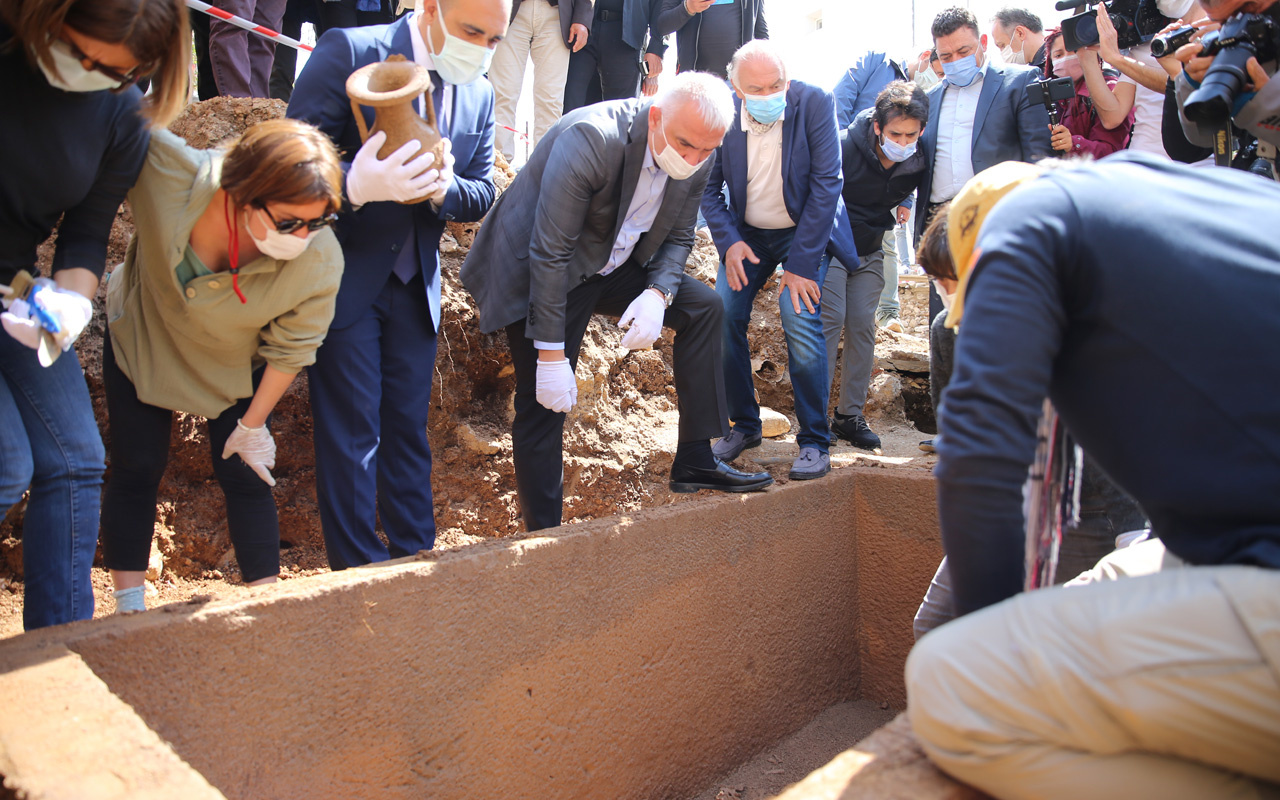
(619, 440)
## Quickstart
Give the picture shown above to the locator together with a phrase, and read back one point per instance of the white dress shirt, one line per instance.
(643, 210)
(953, 159)
(766, 205)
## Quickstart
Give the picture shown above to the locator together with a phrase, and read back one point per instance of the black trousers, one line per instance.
(537, 435)
(604, 69)
(343, 14)
(139, 454)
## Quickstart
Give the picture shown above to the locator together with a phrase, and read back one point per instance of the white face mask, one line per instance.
(71, 76)
(947, 297)
(459, 62)
(1012, 56)
(282, 246)
(1174, 9)
(670, 162)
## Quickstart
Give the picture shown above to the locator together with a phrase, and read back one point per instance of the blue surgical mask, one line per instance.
(766, 108)
(459, 62)
(963, 71)
(897, 152)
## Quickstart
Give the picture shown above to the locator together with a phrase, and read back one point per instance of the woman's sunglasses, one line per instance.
(290, 225)
(125, 79)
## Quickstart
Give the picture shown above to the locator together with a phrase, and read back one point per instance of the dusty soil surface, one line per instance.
(830, 733)
(619, 440)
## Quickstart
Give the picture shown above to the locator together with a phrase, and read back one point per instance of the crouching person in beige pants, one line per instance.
(1148, 681)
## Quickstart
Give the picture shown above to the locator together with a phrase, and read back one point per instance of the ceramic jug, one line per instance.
(390, 87)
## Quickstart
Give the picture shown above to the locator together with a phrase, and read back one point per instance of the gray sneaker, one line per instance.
(812, 463)
(731, 446)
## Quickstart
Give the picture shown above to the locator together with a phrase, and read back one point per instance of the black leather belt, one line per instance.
(605, 15)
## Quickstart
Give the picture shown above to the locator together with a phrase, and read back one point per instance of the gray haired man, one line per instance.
(600, 220)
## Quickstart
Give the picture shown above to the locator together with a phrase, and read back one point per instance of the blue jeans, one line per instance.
(806, 347)
(50, 442)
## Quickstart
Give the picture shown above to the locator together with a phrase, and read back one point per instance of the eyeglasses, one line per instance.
(125, 79)
(291, 225)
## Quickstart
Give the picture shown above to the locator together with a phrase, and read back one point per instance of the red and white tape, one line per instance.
(241, 22)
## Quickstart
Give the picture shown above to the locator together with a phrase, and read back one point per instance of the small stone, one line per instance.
(448, 244)
(473, 442)
(155, 564)
(773, 424)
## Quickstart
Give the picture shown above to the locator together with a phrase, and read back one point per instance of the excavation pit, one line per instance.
(633, 657)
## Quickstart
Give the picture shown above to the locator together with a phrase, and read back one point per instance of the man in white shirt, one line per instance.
(979, 116)
(781, 164)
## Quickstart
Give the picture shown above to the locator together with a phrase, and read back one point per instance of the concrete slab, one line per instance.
(633, 657)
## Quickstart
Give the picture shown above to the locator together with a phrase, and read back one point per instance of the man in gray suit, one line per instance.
(601, 220)
(979, 116)
(548, 32)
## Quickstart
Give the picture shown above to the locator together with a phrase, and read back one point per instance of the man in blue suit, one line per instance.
(371, 383)
(979, 116)
(781, 162)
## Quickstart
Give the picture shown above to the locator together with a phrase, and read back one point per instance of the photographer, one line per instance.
(1165, 684)
(1095, 122)
(1255, 107)
(1142, 78)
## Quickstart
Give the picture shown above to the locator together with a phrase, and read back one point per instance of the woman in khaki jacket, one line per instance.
(226, 292)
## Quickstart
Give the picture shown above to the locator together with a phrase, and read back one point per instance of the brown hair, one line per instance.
(934, 251)
(155, 31)
(282, 161)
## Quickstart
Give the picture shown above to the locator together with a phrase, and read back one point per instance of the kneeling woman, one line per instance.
(226, 292)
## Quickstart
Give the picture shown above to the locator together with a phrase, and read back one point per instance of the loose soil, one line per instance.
(619, 440)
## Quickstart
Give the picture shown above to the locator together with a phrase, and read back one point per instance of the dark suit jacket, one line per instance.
(556, 223)
(373, 235)
(675, 18)
(571, 11)
(811, 180)
(1006, 127)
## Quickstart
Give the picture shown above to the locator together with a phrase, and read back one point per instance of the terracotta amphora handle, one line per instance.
(428, 103)
(360, 124)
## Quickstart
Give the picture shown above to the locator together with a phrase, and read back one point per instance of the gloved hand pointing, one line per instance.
(256, 448)
(400, 177)
(644, 315)
(557, 386)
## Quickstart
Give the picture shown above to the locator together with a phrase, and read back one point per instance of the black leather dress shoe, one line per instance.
(723, 478)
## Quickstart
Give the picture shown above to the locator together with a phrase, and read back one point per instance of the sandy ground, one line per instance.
(830, 733)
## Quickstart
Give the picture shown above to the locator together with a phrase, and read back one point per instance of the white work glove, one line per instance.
(256, 448)
(557, 386)
(444, 178)
(644, 315)
(64, 309)
(400, 177)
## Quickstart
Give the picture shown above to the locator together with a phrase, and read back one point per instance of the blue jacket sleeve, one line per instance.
(716, 209)
(846, 95)
(1014, 318)
(813, 224)
(1033, 124)
(473, 192)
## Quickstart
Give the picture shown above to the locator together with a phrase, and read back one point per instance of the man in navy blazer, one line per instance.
(781, 163)
(371, 383)
(979, 116)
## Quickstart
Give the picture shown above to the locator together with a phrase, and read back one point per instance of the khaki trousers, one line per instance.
(1162, 685)
(534, 32)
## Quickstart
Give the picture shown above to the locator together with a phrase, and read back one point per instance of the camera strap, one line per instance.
(1222, 146)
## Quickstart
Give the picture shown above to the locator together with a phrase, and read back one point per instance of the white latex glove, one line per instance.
(557, 386)
(256, 448)
(444, 178)
(70, 310)
(400, 177)
(644, 316)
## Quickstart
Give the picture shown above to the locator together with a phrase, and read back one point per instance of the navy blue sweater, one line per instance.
(1143, 297)
(76, 153)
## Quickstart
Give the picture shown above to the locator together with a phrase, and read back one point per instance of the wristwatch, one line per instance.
(667, 297)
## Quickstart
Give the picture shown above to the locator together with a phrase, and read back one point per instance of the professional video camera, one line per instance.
(1136, 21)
(1240, 38)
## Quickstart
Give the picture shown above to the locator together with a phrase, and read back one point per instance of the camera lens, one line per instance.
(1211, 103)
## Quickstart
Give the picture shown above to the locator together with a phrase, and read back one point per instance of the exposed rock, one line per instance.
(773, 424)
(901, 352)
(884, 397)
